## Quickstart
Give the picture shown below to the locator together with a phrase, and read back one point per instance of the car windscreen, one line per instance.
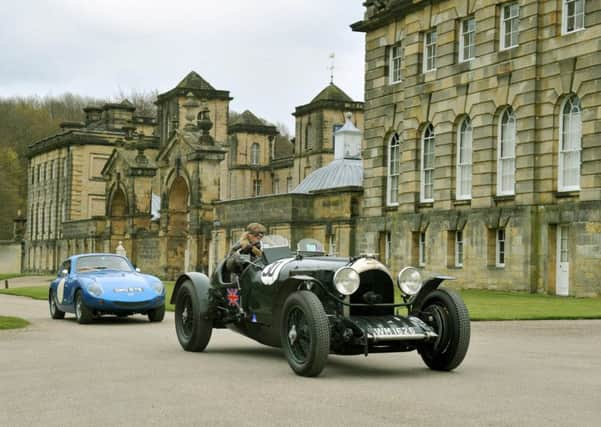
(102, 262)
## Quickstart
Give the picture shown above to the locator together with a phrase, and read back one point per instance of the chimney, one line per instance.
(93, 114)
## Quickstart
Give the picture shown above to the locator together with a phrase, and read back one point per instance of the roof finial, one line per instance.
(331, 67)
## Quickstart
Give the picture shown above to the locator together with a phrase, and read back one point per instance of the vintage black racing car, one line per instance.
(312, 305)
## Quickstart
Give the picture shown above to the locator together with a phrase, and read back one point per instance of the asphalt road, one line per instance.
(130, 372)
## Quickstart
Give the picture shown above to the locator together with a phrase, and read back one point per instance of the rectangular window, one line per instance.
(394, 166)
(394, 64)
(459, 248)
(256, 187)
(276, 186)
(500, 258)
(573, 16)
(422, 248)
(289, 187)
(467, 39)
(510, 22)
(430, 51)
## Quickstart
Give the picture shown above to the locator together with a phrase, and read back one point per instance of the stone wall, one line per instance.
(10, 257)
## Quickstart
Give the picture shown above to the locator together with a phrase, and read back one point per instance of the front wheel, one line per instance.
(55, 313)
(193, 330)
(82, 313)
(305, 333)
(157, 314)
(446, 312)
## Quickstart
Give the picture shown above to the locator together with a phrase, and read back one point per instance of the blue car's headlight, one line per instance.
(158, 287)
(95, 289)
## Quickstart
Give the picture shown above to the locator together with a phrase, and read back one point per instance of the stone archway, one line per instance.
(178, 227)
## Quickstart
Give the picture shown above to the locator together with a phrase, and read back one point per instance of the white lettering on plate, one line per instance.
(402, 331)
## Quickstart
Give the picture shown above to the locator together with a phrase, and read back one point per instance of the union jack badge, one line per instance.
(232, 297)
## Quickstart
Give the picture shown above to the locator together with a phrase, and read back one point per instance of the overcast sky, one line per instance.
(272, 55)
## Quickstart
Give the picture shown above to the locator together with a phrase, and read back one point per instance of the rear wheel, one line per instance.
(305, 333)
(157, 314)
(82, 313)
(446, 312)
(55, 313)
(193, 330)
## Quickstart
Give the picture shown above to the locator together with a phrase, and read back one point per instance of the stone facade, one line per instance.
(482, 151)
(177, 190)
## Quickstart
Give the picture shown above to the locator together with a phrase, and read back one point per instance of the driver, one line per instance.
(249, 243)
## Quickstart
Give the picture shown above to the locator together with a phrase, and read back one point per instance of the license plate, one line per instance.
(403, 331)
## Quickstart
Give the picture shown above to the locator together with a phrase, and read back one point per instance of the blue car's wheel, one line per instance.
(305, 333)
(55, 313)
(157, 314)
(193, 330)
(82, 313)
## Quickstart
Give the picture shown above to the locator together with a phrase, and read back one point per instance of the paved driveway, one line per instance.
(131, 372)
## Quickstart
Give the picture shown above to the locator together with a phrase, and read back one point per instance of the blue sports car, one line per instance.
(91, 285)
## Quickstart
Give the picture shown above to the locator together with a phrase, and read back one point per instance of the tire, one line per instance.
(157, 314)
(82, 313)
(305, 333)
(55, 313)
(446, 312)
(193, 331)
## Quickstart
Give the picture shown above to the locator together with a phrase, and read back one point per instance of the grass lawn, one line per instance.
(497, 305)
(7, 322)
(482, 304)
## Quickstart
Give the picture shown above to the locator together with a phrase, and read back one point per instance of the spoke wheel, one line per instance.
(447, 314)
(55, 313)
(192, 329)
(305, 333)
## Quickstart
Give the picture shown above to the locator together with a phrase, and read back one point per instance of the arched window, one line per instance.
(254, 154)
(506, 153)
(570, 145)
(427, 165)
(394, 157)
(464, 160)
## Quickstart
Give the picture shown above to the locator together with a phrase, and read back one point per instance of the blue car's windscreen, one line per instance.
(102, 262)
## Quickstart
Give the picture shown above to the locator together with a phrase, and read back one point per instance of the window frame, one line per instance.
(432, 137)
(500, 247)
(394, 64)
(255, 154)
(561, 186)
(465, 165)
(430, 45)
(459, 248)
(471, 36)
(502, 143)
(422, 249)
(393, 174)
(509, 20)
(257, 187)
(565, 17)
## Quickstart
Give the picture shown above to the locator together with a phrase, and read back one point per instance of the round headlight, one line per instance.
(95, 289)
(158, 287)
(410, 281)
(346, 280)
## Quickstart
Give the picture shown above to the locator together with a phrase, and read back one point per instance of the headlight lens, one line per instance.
(410, 281)
(95, 289)
(158, 287)
(346, 280)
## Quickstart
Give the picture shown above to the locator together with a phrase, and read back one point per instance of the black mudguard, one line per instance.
(430, 285)
(201, 285)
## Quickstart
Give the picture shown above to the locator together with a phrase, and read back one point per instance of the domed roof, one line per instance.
(332, 93)
(339, 173)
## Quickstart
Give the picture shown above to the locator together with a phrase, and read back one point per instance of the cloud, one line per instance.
(271, 55)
